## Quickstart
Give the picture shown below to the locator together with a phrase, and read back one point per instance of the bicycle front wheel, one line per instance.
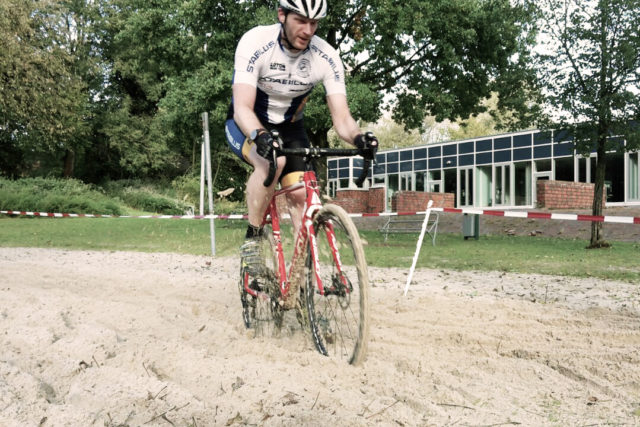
(338, 306)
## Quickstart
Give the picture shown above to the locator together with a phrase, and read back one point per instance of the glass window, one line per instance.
(465, 160)
(392, 156)
(483, 158)
(465, 148)
(522, 140)
(502, 156)
(406, 155)
(435, 163)
(543, 151)
(633, 177)
(435, 151)
(522, 154)
(484, 145)
(449, 162)
(333, 173)
(502, 143)
(406, 166)
(564, 169)
(333, 163)
(540, 138)
(392, 168)
(419, 165)
(343, 163)
(543, 165)
(381, 158)
(379, 169)
(448, 150)
(523, 183)
(343, 173)
(564, 149)
(420, 153)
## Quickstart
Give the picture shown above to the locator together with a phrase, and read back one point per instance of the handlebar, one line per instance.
(315, 153)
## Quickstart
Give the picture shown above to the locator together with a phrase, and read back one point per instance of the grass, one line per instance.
(490, 253)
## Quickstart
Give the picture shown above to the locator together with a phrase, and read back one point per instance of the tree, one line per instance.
(41, 102)
(591, 72)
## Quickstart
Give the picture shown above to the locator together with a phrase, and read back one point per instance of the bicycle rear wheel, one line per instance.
(259, 294)
(339, 314)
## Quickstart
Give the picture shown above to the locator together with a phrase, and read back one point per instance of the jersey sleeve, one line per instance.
(334, 79)
(245, 67)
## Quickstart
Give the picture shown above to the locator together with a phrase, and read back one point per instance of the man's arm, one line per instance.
(345, 125)
(244, 98)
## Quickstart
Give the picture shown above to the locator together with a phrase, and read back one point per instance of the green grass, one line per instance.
(500, 253)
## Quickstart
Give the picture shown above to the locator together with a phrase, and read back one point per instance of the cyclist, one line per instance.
(275, 70)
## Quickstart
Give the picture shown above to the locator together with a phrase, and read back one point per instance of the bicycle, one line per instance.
(327, 280)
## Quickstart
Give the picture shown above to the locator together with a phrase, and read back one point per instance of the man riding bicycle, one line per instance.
(276, 68)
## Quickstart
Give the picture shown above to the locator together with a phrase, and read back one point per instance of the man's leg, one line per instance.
(259, 196)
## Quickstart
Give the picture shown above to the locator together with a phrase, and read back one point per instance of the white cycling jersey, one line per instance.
(283, 79)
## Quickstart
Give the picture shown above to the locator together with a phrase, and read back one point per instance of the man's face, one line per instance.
(299, 29)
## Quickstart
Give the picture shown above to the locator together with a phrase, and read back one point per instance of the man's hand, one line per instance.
(265, 144)
(367, 145)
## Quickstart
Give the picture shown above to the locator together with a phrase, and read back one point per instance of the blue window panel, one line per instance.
(542, 138)
(448, 150)
(522, 154)
(333, 164)
(502, 156)
(392, 157)
(465, 160)
(392, 168)
(435, 164)
(564, 149)
(333, 173)
(484, 145)
(522, 140)
(420, 165)
(406, 166)
(449, 162)
(358, 162)
(356, 172)
(343, 163)
(502, 143)
(379, 169)
(435, 151)
(420, 153)
(343, 173)
(406, 155)
(381, 158)
(562, 135)
(483, 158)
(542, 152)
(465, 147)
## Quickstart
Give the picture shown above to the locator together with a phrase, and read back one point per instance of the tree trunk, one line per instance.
(597, 236)
(69, 163)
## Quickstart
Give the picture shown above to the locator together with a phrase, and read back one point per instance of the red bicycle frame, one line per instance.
(305, 234)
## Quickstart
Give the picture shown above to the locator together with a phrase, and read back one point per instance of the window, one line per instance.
(523, 183)
(564, 169)
(633, 177)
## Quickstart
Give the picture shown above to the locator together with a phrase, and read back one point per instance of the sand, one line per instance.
(121, 338)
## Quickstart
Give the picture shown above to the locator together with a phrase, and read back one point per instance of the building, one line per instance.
(514, 170)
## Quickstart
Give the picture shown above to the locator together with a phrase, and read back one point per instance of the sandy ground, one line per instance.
(118, 338)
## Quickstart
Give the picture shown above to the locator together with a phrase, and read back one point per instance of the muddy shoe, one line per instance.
(251, 256)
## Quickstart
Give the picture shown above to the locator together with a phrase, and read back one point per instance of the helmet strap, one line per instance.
(284, 37)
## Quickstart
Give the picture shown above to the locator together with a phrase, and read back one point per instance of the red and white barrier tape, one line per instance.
(512, 214)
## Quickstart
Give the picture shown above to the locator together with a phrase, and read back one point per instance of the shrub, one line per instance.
(55, 195)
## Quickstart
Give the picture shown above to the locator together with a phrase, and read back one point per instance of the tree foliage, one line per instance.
(591, 73)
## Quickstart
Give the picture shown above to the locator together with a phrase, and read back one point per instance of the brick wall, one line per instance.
(415, 201)
(565, 194)
(361, 201)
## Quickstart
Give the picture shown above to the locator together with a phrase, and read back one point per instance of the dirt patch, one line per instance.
(118, 338)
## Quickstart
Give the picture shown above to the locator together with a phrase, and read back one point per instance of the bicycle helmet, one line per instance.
(312, 9)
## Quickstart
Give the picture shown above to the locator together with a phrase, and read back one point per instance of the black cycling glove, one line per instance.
(367, 145)
(265, 145)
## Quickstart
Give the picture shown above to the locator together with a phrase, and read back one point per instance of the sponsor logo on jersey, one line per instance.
(277, 66)
(288, 82)
(304, 68)
(326, 57)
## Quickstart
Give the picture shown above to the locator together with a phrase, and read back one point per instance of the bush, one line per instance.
(55, 195)
(146, 197)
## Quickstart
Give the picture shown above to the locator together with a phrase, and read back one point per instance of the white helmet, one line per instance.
(312, 9)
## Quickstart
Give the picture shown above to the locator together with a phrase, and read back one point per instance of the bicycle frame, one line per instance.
(305, 234)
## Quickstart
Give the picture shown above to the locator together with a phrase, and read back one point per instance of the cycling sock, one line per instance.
(253, 231)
